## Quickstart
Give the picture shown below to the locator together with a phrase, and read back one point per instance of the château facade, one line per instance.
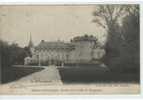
(81, 49)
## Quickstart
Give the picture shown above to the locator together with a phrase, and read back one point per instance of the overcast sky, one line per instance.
(49, 23)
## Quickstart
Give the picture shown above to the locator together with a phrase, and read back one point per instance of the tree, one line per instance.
(130, 45)
(4, 47)
(28, 51)
(12, 54)
(110, 17)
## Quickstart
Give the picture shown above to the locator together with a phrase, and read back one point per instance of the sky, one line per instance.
(49, 23)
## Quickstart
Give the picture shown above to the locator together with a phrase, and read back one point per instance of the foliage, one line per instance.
(12, 54)
(130, 46)
(121, 23)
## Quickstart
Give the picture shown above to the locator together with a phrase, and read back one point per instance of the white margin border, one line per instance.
(83, 2)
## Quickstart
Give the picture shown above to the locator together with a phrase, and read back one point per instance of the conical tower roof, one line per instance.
(30, 41)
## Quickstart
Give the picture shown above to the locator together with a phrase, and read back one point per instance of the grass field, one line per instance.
(92, 74)
(15, 73)
(73, 74)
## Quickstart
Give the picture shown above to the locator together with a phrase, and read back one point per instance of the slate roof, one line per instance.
(54, 45)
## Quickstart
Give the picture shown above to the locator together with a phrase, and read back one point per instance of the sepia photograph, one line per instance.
(70, 49)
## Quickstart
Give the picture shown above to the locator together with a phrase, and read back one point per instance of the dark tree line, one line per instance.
(121, 23)
(12, 54)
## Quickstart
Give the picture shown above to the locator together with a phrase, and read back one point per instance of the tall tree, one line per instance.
(109, 18)
(130, 45)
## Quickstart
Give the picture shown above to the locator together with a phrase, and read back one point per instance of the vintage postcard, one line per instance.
(70, 49)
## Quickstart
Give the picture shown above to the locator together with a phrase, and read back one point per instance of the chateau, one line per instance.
(81, 49)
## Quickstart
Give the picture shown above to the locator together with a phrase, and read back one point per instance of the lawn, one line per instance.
(86, 74)
(10, 74)
(95, 74)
